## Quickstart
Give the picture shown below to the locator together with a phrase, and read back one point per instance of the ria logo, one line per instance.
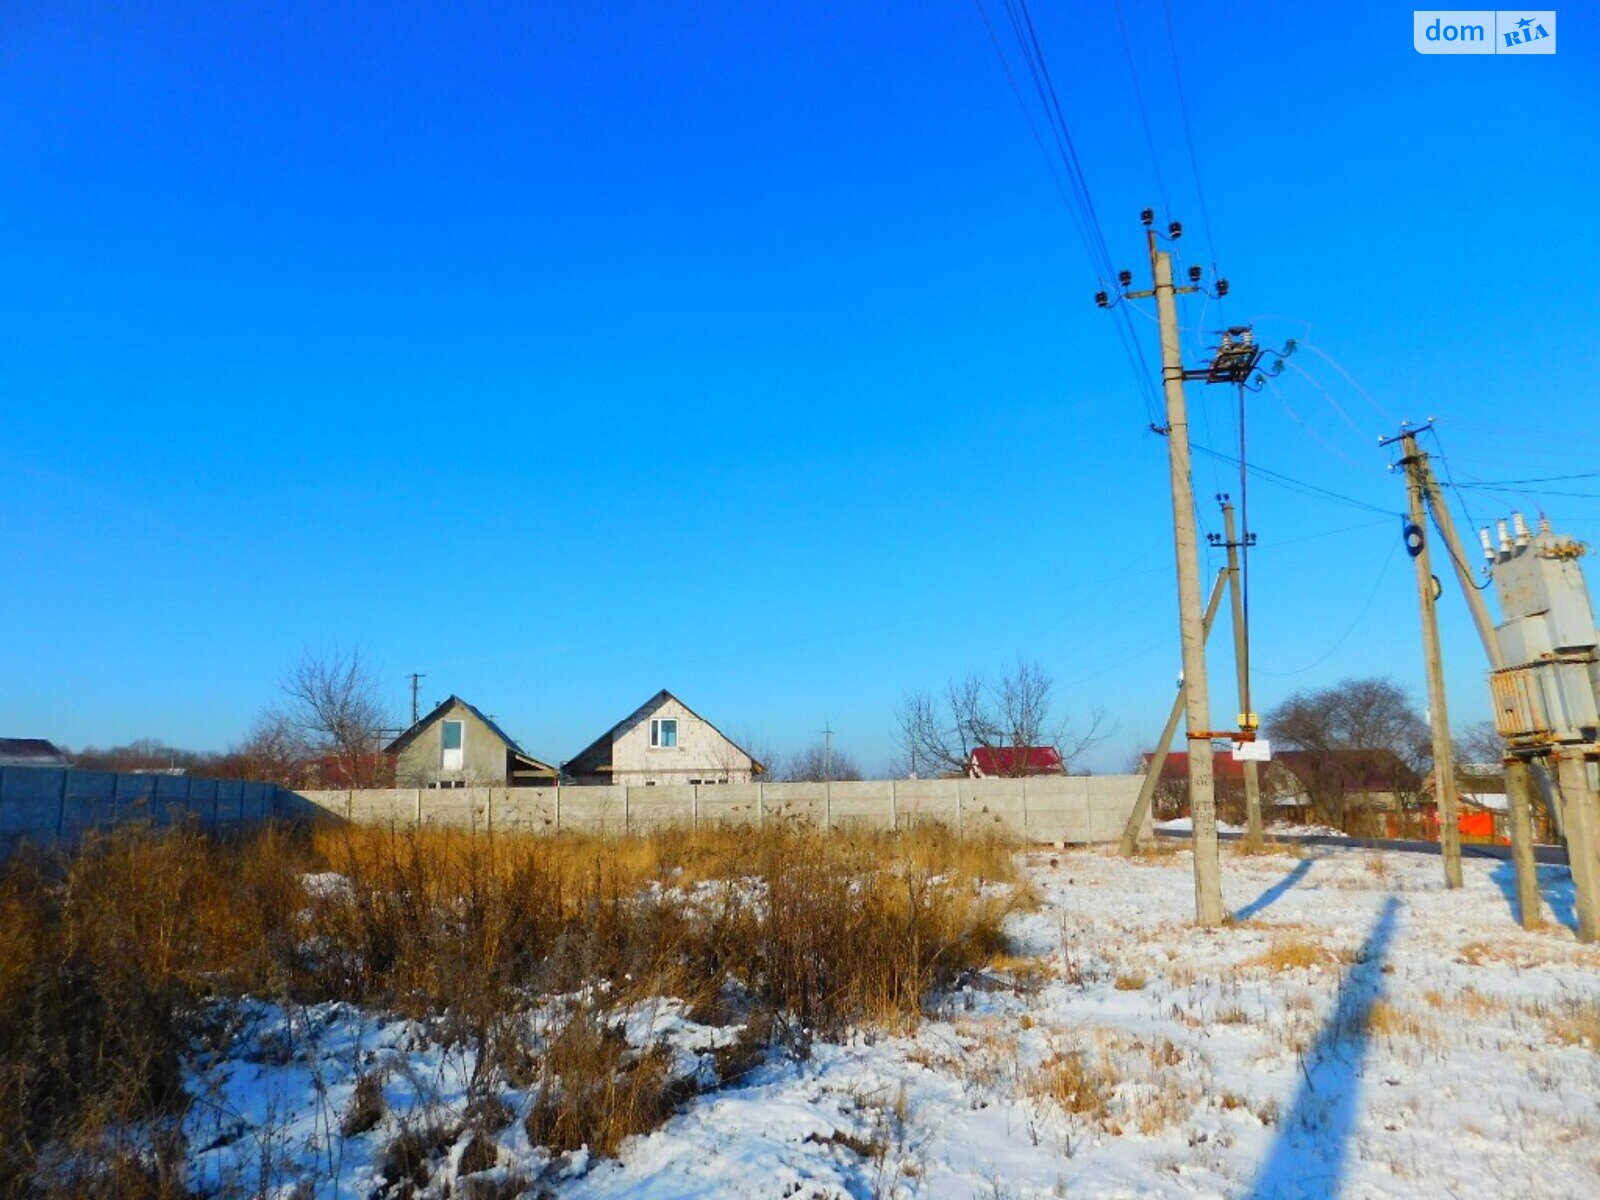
(1528, 30)
(1484, 31)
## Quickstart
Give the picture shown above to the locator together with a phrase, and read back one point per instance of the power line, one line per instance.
(1293, 484)
(1188, 135)
(1345, 636)
(1537, 479)
(1078, 205)
(1144, 115)
(1486, 487)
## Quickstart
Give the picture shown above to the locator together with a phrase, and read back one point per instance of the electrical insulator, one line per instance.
(1148, 216)
(1175, 230)
(1125, 278)
(1222, 288)
(1412, 536)
(1102, 300)
(1194, 274)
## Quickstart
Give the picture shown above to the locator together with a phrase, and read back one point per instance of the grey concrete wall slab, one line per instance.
(1046, 809)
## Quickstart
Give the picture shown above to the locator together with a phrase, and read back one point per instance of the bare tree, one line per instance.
(818, 764)
(274, 750)
(1013, 713)
(1480, 743)
(334, 701)
(1361, 733)
(142, 754)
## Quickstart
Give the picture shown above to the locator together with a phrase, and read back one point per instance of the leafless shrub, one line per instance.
(367, 1106)
(107, 960)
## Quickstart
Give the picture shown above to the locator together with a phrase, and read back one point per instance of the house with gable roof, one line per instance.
(456, 745)
(663, 741)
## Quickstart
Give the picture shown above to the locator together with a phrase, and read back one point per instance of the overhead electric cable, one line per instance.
(1074, 191)
(1345, 636)
(1293, 484)
(1144, 115)
(1494, 483)
(1188, 135)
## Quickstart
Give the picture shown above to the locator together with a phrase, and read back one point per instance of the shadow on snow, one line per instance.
(1271, 895)
(1309, 1157)
(1555, 885)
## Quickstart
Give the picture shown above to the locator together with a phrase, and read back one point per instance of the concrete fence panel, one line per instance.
(525, 810)
(600, 809)
(659, 807)
(728, 804)
(865, 804)
(922, 800)
(797, 803)
(1075, 809)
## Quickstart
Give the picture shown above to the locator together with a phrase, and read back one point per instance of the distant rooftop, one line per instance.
(30, 752)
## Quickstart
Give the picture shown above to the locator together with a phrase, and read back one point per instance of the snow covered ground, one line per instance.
(1357, 1031)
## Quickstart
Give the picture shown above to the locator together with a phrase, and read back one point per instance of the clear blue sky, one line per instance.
(568, 352)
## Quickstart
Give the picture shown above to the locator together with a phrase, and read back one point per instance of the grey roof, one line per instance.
(410, 735)
(30, 752)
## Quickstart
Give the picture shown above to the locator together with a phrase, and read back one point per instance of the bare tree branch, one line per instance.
(334, 701)
(1013, 714)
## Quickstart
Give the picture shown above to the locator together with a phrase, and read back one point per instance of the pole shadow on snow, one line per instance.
(1555, 885)
(1271, 895)
(1309, 1158)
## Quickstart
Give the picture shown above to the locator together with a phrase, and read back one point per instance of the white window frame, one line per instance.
(655, 733)
(460, 751)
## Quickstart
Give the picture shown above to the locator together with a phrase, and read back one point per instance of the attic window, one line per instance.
(664, 733)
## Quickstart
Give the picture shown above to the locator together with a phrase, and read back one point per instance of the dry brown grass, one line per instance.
(108, 958)
(1157, 849)
(594, 1091)
(1576, 1023)
(1293, 953)
(1132, 980)
(1078, 1083)
(1387, 1020)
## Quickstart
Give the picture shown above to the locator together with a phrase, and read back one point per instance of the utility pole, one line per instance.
(827, 753)
(1519, 780)
(1191, 621)
(1152, 775)
(1444, 773)
(1255, 836)
(416, 678)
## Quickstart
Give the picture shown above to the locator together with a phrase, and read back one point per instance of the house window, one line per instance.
(450, 738)
(664, 733)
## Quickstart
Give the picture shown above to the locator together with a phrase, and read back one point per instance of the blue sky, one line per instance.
(568, 352)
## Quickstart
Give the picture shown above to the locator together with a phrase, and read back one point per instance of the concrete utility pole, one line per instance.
(416, 678)
(1152, 775)
(1255, 837)
(827, 753)
(1191, 622)
(1519, 781)
(1444, 773)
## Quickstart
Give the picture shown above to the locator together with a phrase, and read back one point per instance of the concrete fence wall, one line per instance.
(51, 806)
(1079, 808)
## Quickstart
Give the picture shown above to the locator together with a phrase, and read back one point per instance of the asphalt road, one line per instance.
(1549, 855)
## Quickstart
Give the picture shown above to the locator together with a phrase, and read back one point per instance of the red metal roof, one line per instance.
(1223, 765)
(1004, 760)
(1369, 770)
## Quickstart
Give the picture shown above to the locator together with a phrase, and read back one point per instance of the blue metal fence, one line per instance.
(52, 806)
